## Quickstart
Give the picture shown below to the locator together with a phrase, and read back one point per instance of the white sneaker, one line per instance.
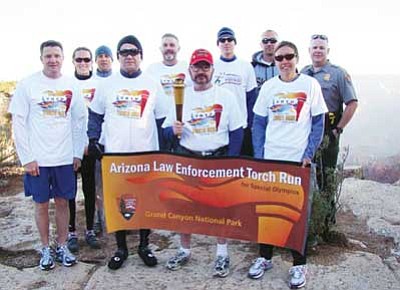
(177, 261)
(46, 259)
(221, 267)
(297, 276)
(64, 256)
(258, 268)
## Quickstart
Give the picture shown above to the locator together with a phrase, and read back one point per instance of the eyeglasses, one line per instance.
(320, 36)
(270, 40)
(131, 52)
(83, 59)
(289, 56)
(204, 67)
(226, 39)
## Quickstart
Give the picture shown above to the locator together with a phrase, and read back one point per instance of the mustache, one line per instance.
(201, 75)
(169, 51)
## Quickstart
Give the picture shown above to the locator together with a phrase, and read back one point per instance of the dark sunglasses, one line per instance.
(227, 39)
(201, 66)
(289, 56)
(131, 52)
(270, 40)
(83, 59)
(320, 36)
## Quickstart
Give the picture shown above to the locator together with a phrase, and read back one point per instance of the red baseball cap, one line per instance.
(201, 55)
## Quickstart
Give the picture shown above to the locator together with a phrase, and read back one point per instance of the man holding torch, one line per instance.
(208, 125)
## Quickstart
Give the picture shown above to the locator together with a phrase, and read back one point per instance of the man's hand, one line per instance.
(77, 164)
(32, 168)
(94, 149)
(305, 162)
(177, 127)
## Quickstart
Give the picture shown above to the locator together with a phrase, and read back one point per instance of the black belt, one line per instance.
(217, 152)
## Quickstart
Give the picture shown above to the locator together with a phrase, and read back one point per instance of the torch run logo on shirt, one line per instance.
(170, 81)
(227, 78)
(131, 104)
(55, 103)
(287, 106)
(127, 204)
(88, 95)
(206, 120)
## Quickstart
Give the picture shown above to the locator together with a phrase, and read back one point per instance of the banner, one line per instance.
(238, 198)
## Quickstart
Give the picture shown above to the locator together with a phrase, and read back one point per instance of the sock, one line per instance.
(186, 251)
(222, 250)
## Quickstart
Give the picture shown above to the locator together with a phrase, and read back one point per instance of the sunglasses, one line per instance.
(227, 39)
(131, 52)
(320, 36)
(83, 59)
(204, 67)
(289, 56)
(270, 40)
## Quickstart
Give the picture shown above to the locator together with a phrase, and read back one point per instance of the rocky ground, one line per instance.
(369, 218)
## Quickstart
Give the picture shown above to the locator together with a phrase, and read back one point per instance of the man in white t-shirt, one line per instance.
(104, 60)
(128, 109)
(169, 72)
(209, 127)
(237, 76)
(48, 123)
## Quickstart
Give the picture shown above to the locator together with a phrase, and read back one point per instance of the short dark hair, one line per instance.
(50, 43)
(170, 35)
(288, 44)
(82, 48)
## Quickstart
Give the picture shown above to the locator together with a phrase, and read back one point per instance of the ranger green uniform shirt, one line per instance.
(336, 85)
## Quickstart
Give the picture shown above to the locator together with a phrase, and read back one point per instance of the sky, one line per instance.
(360, 32)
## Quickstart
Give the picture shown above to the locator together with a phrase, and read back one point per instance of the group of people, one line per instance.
(267, 109)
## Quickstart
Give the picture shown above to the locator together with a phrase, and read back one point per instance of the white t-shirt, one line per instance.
(170, 76)
(290, 107)
(208, 116)
(54, 116)
(100, 79)
(239, 77)
(86, 89)
(130, 107)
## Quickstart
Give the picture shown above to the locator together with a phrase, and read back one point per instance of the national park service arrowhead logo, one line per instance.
(127, 205)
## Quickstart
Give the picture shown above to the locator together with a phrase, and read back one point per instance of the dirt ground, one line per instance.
(350, 234)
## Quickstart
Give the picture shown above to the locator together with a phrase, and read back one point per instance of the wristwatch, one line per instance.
(339, 130)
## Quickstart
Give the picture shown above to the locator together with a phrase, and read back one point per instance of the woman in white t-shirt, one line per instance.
(288, 126)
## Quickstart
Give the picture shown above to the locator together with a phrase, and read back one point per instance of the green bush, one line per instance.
(323, 214)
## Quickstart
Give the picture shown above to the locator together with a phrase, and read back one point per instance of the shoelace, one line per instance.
(67, 254)
(179, 257)
(220, 263)
(296, 272)
(46, 255)
(258, 262)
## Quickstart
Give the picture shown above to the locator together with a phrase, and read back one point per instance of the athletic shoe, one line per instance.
(177, 261)
(92, 240)
(147, 256)
(258, 268)
(46, 260)
(221, 267)
(118, 259)
(297, 276)
(64, 256)
(72, 242)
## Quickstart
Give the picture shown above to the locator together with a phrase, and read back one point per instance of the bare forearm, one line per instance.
(347, 114)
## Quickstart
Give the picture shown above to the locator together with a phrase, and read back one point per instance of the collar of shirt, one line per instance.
(132, 75)
(227, 59)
